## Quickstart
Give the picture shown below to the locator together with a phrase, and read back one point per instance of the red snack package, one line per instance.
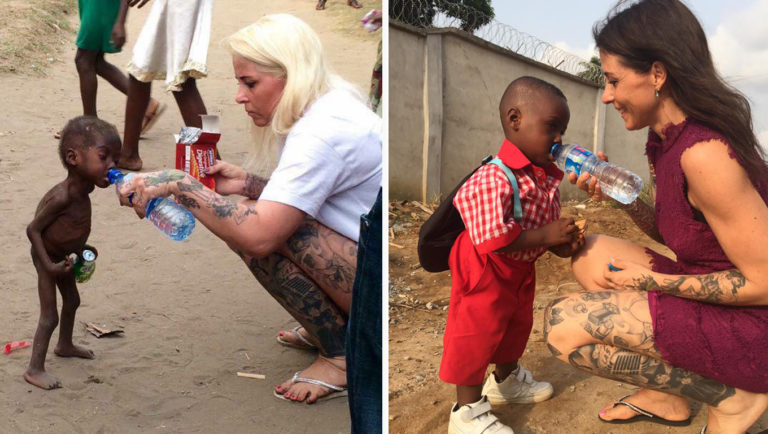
(196, 149)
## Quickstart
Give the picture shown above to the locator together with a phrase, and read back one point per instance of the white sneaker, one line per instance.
(518, 388)
(476, 418)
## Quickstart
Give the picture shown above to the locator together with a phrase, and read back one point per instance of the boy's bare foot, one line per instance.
(737, 413)
(354, 3)
(73, 351)
(664, 405)
(41, 379)
(331, 371)
(133, 164)
(320, 5)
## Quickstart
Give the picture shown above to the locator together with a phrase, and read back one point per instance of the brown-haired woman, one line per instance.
(695, 327)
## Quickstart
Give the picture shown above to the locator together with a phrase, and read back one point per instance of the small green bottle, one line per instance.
(84, 266)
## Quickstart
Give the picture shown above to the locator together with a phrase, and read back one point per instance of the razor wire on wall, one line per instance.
(479, 21)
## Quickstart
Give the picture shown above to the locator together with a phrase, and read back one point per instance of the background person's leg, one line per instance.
(85, 61)
(190, 103)
(135, 107)
(112, 74)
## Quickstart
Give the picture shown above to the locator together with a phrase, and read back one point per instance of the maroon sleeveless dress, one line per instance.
(725, 343)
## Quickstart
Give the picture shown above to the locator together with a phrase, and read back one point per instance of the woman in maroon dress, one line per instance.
(694, 327)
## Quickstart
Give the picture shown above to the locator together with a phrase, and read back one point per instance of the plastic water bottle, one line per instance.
(617, 182)
(167, 215)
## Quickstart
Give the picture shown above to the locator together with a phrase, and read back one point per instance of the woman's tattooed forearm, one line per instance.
(721, 287)
(192, 195)
(167, 175)
(644, 371)
(254, 185)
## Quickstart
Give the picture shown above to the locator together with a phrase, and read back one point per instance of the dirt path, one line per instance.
(418, 300)
(193, 315)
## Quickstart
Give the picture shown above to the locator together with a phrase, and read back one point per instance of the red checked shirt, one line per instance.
(486, 202)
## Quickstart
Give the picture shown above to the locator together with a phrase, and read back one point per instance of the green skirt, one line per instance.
(97, 17)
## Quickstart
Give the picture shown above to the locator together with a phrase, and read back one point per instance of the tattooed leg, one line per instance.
(327, 258)
(730, 410)
(321, 318)
(617, 319)
(644, 371)
(303, 299)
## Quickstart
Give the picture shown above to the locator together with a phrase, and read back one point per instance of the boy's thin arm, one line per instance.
(49, 212)
(528, 239)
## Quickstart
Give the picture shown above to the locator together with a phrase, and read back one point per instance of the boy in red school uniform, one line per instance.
(493, 261)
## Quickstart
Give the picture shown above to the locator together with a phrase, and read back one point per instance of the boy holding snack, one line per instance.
(89, 147)
(493, 261)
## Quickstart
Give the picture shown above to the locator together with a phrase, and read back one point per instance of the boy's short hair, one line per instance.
(83, 132)
(518, 85)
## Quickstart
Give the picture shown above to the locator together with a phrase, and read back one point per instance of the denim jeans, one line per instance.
(364, 328)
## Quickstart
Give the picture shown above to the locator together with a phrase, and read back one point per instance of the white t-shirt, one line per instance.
(330, 165)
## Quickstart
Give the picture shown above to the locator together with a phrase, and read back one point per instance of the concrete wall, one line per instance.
(406, 113)
(444, 93)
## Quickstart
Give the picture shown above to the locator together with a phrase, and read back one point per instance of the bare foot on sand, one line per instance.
(73, 351)
(331, 371)
(130, 163)
(664, 405)
(41, 379)
(736, 414)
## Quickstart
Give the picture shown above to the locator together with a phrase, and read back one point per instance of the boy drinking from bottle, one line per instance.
(89, 147)
(492, 261)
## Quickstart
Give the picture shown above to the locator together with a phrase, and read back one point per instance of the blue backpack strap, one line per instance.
(518, 211)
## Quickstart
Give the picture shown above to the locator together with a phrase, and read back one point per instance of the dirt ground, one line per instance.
(418, 302)
(192, 313)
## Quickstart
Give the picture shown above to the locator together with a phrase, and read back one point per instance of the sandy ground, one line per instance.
(420, 402)
(192, 313)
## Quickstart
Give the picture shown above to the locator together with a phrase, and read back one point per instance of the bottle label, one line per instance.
(83, 269)
(576, 158)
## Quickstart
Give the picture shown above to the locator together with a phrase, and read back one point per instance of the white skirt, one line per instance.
(173, 44)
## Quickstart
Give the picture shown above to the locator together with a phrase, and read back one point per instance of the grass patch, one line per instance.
(32, 33)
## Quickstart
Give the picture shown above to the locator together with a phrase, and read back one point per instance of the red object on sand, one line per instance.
(15, 345)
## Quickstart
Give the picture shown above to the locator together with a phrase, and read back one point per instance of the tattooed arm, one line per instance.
(722, 287)
(739, 219)
(255, 228)
(643, 215)
(231, 179)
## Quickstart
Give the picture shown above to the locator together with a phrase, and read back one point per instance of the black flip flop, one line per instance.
(643, 416)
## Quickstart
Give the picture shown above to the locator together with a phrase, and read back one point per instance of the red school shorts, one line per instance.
(490, 314)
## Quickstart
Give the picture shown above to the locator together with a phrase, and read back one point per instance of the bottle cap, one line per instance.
(114, 176)
(88, 255)
(554, 148)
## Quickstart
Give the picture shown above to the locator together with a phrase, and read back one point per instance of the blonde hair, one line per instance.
(283, 46)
